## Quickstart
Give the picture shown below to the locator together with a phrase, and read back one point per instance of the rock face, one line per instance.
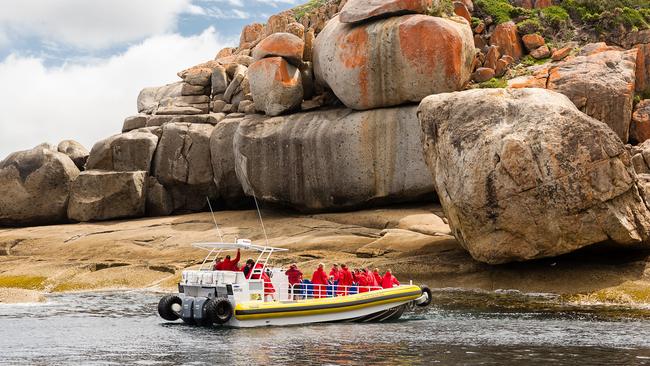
(182, 164)
(276, 85)
(643, 68)
(359, 10)
(601, 85)
(506, 38)
(223, 163)
(149, 98)
(100, 195)
(640, 129)
(285, 45)
(124, 152)
(393, 61)
(522, 174)
(35, 186)
(75, 151)
(335, 159)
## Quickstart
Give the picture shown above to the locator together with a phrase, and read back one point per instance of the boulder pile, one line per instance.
(317, 110)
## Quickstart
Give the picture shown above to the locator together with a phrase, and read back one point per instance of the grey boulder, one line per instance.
(129, 151)
(35, 187)
(101, 195)
(276, 85)
(334, 159)
(523, 174)
(75, 151)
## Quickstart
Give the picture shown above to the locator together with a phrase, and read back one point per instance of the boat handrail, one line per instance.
(308, 290)
(240, 244)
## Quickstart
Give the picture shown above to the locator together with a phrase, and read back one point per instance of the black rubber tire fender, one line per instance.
(165, 307)
(427, 302)
(218, 310)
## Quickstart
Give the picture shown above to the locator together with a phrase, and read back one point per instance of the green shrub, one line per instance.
(530, 26)
(475, 22)
(311, 5)
(529, 60)
(556, 16)
(632, 18)
(443, 8)
(499, 10)
(493, 83)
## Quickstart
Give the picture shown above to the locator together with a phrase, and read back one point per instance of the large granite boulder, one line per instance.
(100, 195)
(182, 164)
(35, 186)
(359, 10)
(149, 98)
(285, 45)
(75, 151)
(333, 159)
(276, 86)
(124, 152)
(392, 61)
(223, 164)
(523, 174)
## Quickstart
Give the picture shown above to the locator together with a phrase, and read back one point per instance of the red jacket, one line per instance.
(335, 273)
(377, 277)
(295, 276)
(345, 277)
(389, 280)
(319, 277)
(230, 264)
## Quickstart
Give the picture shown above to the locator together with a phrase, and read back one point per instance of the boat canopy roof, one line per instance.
(244, 244)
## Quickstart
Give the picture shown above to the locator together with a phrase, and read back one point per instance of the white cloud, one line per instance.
(88, 102)
(92, 24)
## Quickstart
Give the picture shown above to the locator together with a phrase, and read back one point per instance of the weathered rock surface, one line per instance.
(223, 163)
(75, 151)
(506, 38)
(35, 186)
(393, 61)
(285, 45)
(149, 98)
(523, 174)
(643, 68)
(159, 201)
(135, 122)
(276, 85)
(359, 10)
(601, 85)
(182, 164)
(124, 152)
(640, 128)
(334, 159)
(100, 195)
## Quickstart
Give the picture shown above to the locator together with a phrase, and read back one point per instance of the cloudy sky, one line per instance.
(74, 68)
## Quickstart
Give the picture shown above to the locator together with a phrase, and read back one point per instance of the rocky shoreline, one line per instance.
(530, 139)
(412, 240)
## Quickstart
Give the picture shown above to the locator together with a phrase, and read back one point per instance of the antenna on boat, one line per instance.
(261, 221)
(214, 219)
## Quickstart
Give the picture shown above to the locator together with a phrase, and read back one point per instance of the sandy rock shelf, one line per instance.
(414, 241)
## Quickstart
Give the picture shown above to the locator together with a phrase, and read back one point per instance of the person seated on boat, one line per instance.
(334, 272)
(319, 280)
(230, 264)
(372, 282)
(248, 267)
(377, 276)
(345, 280)
(364, 281)
(295, 279)
(389, 281)
(218, 265)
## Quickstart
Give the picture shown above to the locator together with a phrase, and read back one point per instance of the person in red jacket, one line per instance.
(269, 290)
(364, 281)
(295, 278)
(229, 264)
(319, 279)
(345, 280)
(377, 276)
(334, 272)
(218, 265)
(372, 282)
(389, 280)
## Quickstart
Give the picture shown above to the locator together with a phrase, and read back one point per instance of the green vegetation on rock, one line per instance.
(529, 60)
(607, 15)
(493, 83)
(308, 7)
(499, 10)
(441, 8)
(556, 16)
(24, 282)
(530, 26)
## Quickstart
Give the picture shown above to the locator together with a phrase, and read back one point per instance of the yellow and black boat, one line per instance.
(229, 298)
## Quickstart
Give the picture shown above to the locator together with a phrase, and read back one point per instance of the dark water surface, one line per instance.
(461, 328)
